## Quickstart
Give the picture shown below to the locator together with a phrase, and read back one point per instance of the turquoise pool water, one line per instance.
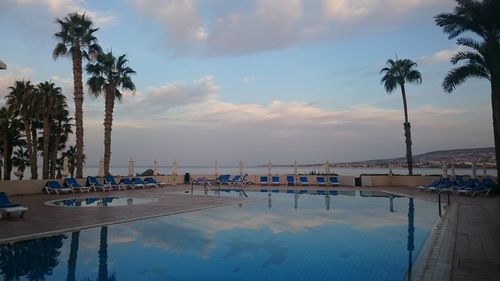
(342, 236)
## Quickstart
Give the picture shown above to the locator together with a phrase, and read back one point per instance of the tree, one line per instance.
(10, 137)
(51, 103)
(107, 75)
(397, 73)
(481, 56)
(21, 160)
(77, 40)
(21, 99)
(61, 128)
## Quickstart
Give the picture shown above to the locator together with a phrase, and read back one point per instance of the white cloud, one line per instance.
(10, 75)
(262, 25)
(440, 56)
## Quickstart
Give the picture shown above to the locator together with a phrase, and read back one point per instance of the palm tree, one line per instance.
(51, 102)
(71, 154)
(76, 39)
(397, 73)
(20, 98)
(10, 137)
(21, 160)
(481, 56)
(61, 128)
(107, 75)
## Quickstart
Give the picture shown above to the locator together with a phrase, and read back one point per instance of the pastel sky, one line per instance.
(257, 80)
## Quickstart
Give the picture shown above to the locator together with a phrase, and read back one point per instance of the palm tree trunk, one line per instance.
(34, 135)
(53, 154)
(31, 151)
(46, 139)
(108, 123)
(78, 84)
(407, 130)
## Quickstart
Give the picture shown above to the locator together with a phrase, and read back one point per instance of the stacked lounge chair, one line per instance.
(320, 180)
(53, 185)
(290, 180)
(474, 187)
(334, 180)
(275, 180)
(264, 180)
(303, 180)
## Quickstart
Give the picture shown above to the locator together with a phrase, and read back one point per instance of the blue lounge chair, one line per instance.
(445, 184)
(320, 180)
(150, 182)
(242, 181)
(275, 180)
(127, 183)
(7, 208)
(290, 180)
(138, 182)
(55, 186)
(433, 184)
(264, 180)
(111, 183)
(334, 180)
(94, 184)
(475, 187)
(234, 180)
(303, 180)
(73, 184)
(155, 181)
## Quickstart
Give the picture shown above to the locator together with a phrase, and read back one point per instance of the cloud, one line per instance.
(10, 75)
(440, 56)
(204, 28)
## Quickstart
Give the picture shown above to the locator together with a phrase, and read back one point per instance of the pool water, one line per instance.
(347, 236)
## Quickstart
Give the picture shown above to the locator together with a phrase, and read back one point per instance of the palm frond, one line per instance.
(458, 75)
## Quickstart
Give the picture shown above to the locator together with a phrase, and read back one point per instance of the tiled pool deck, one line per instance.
(466, 245)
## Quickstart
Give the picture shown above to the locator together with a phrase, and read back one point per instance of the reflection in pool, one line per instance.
(282, 237)
(107, 201)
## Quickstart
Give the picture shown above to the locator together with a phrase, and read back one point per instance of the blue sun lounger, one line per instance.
(320, 180)
(334, 180)
(234, 180)
(264, 180)
(110, 183)
(303, 180)
(73, 184)
(290, 180)
(275, 180)
(55, 186)
(138, 182)
(445, 184)
(127, 183)
(7, 208)
(150, 182)
(94, 184)
(433, 184)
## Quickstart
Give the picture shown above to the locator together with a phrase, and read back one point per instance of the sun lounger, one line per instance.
(275, 180)
(431, 185)
(110, 182)
(264, 180)
(55, 186)
(242, 181)
(150, 182)
(290, 180)
(138, 182)
(475, 187)
(94, 184)
(303, 180)
(127, 183)
(320, 180)
(73, 184)
(234, 180)
(445, 184)
(334, 180)
(153, 180)
(7, 208)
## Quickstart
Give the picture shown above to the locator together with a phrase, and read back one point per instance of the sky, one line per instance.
(257, 80)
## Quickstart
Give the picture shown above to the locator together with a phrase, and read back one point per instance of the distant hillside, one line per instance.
(460, 157)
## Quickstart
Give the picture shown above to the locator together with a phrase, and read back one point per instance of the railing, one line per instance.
(448, 192)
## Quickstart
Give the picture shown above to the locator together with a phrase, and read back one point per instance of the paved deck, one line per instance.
(465, 244)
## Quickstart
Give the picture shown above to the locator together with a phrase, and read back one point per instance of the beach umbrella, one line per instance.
(155, 168)
(453, 170)
(100, 170)
(269, 168)
(474, 169)
(65, 171)
(241, 168)
(216, 169)
(445, 169)
(174, 170)
(131, 168)
(390, 168)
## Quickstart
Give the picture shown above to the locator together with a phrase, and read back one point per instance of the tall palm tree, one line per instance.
(61, 128)
(481, 57)
(397, 73)
(107, 75)
(10, 137)
(21, 160)
(21, 99)
(77, 40)
(51, 102)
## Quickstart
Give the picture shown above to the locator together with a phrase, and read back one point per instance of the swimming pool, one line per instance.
(340, 236)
